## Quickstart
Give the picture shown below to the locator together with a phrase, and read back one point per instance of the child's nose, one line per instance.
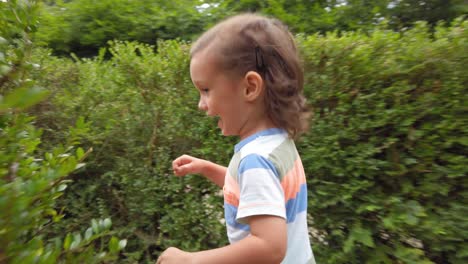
(202, 105)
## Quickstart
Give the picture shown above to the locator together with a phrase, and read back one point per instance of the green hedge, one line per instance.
(142, 110)
(385, 156)
(33, 177)
(387, 152)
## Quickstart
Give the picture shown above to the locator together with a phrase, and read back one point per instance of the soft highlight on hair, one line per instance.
(241, 42)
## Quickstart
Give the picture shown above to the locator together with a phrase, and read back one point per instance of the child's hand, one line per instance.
(186, 164)
(174, 255)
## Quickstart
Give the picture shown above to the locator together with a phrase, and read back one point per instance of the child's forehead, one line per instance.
(203, 66)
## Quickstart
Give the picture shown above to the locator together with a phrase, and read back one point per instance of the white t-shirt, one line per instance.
(266, 177)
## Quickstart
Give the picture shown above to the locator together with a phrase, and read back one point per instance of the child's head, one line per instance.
(250, 42)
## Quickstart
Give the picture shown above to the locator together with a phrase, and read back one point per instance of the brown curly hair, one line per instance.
(251, 42)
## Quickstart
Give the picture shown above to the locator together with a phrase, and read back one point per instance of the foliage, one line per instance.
(30, 185)
(387, 152)
(83, 26)
(141, 107)
(385, 156)
(305, 16)
(406, 12)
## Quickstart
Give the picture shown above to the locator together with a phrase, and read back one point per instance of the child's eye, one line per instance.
(205, 90)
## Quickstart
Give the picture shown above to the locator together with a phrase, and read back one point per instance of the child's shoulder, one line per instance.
(263, 143)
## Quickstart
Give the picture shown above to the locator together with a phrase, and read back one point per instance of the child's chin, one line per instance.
(226, 133)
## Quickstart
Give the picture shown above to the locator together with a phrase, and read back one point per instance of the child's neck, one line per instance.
(257, 122)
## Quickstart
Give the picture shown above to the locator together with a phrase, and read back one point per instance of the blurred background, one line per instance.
(96, 101)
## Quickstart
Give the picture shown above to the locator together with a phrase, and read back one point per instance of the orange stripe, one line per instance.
(231, 191)
(293, 180)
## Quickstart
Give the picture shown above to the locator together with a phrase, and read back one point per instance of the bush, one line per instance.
(142, 109)
(32, 178)
(387, 152)
(385, 156)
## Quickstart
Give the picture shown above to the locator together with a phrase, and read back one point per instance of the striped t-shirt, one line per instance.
(266, 177)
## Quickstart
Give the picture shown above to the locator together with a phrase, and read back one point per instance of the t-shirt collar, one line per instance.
(266, 132)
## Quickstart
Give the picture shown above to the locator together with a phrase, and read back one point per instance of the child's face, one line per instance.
(220, 96)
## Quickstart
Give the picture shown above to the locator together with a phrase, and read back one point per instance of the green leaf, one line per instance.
(80, 123)
(410, 219)
(462, 253)
(62, 187)
(51, 212)
(79, 165)
(358, 234)
(365, 237)
(410, 255)
(95, 226)
(107, 223)
(79, 153)
(77, 238)
(122, 244)
(88, 233)
(114, 245)
(348, 245)
(49, 156)
(67, 242)
(74, 245)
(23, 98)
(4, 69)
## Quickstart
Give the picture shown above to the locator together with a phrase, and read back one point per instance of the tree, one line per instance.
(83, 26)
(309, 16)
(403, 13)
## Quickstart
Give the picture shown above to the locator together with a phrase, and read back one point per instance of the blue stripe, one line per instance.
(266, 132)
(297, 205)
(255, 161)
(230, 213)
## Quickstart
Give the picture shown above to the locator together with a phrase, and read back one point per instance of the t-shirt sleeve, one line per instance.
(261, 192)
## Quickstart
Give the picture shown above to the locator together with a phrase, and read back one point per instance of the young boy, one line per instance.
(247, 71)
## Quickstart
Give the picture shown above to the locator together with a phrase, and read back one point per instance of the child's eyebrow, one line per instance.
(198, 84)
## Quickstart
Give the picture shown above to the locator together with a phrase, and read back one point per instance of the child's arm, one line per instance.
(266, 244)
(186, 164)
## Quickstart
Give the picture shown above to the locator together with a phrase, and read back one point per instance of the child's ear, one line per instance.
(253, 85)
